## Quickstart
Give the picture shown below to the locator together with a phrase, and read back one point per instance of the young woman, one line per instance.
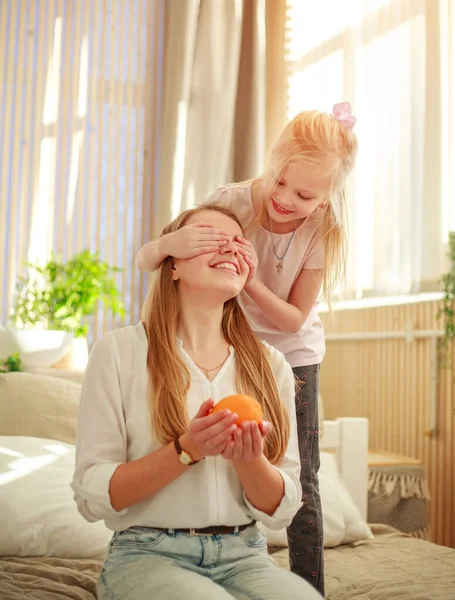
(294, 216)
(180, 487)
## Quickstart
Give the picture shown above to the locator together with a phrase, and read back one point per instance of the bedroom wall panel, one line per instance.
(397, 384)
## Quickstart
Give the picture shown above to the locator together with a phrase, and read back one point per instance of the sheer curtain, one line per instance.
(386, 58)
(447, 47)
(79, 122)
(214, 99)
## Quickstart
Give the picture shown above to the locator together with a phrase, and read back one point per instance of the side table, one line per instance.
(398, 493)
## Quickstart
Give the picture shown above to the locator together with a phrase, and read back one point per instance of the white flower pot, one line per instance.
(38, 348)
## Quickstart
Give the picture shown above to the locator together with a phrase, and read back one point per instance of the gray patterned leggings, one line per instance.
(306, 554)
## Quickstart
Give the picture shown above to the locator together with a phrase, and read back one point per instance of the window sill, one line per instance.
(380, 302)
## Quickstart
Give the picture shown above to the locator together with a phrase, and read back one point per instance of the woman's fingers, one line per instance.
(217, 428)
(220, 438)
(256, 440)
(247, 439)
(237, 451)
(265, 428)
(228, 452)
(201, 422)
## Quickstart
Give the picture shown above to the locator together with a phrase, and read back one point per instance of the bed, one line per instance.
(38, 516)
(392, 565)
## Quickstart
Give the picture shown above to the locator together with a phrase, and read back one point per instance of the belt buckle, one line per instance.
(193, 532)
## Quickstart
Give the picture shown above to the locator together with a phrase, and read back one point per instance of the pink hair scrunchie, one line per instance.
(342, 112)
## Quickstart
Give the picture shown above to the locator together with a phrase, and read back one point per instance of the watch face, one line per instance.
(185, 458)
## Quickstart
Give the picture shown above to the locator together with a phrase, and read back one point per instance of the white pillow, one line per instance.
(38, 516)
(342, 523)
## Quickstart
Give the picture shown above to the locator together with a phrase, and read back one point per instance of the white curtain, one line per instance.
(213, 100)
(447, 50)
(81, 88)
(386, 58)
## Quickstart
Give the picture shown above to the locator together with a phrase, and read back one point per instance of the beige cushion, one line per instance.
(38, 406)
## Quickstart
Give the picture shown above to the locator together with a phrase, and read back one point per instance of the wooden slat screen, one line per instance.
(389, 381)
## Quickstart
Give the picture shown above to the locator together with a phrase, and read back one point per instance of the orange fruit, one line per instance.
(246, 407)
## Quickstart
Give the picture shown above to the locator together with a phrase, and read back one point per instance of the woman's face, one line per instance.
(222, 273)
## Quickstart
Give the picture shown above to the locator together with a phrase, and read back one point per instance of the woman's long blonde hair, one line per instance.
(170, 377)
(320, 141)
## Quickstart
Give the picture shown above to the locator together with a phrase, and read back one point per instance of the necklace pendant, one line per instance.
(279, 266)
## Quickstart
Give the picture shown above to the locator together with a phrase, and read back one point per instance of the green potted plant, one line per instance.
(447, 310)
(11, 364)
(52, 305)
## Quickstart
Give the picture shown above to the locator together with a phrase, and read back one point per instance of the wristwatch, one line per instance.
(184, 457)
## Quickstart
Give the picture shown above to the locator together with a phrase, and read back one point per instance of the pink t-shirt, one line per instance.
(307, 346)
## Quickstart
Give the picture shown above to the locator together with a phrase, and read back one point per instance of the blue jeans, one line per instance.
(145, 564)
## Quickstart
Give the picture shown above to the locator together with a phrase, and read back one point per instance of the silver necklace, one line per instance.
(279, 264)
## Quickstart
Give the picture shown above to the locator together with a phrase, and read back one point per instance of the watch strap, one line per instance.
(180, 451)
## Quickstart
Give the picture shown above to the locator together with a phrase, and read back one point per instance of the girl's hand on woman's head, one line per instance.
(193, 240)
(248, 253)
(208, 435)
(247, 442)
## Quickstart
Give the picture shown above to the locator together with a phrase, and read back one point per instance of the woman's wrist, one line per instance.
(253, 463)
(189, 447)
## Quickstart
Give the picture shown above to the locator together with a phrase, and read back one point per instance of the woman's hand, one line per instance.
(247, 441)
(208, 435)
(193, 240)
(249, 255)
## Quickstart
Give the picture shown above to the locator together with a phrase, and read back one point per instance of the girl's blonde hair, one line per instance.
(170, 377)
(330, 148)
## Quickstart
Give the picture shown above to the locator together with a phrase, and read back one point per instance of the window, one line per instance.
(381, 56)
(79, 84)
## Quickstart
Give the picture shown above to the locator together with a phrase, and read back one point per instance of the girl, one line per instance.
(294, 216)
(182, 490)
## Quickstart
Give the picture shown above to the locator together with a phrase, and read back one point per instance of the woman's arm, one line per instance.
(139, 479)
(262, 484)
(272, 492)
(291, 315)
(104, 482)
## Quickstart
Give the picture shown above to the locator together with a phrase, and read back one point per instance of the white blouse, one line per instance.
(114, 428)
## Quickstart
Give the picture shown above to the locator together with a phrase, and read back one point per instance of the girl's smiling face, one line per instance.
(297, 194)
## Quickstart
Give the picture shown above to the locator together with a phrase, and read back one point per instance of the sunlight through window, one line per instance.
(374, 55)
(25, 466)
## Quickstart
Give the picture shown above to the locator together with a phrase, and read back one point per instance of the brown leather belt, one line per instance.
(216, 529)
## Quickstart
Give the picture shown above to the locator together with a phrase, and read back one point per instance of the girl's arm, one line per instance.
(105, 483)
(291, 315)
(152, 254)
(187, 242)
